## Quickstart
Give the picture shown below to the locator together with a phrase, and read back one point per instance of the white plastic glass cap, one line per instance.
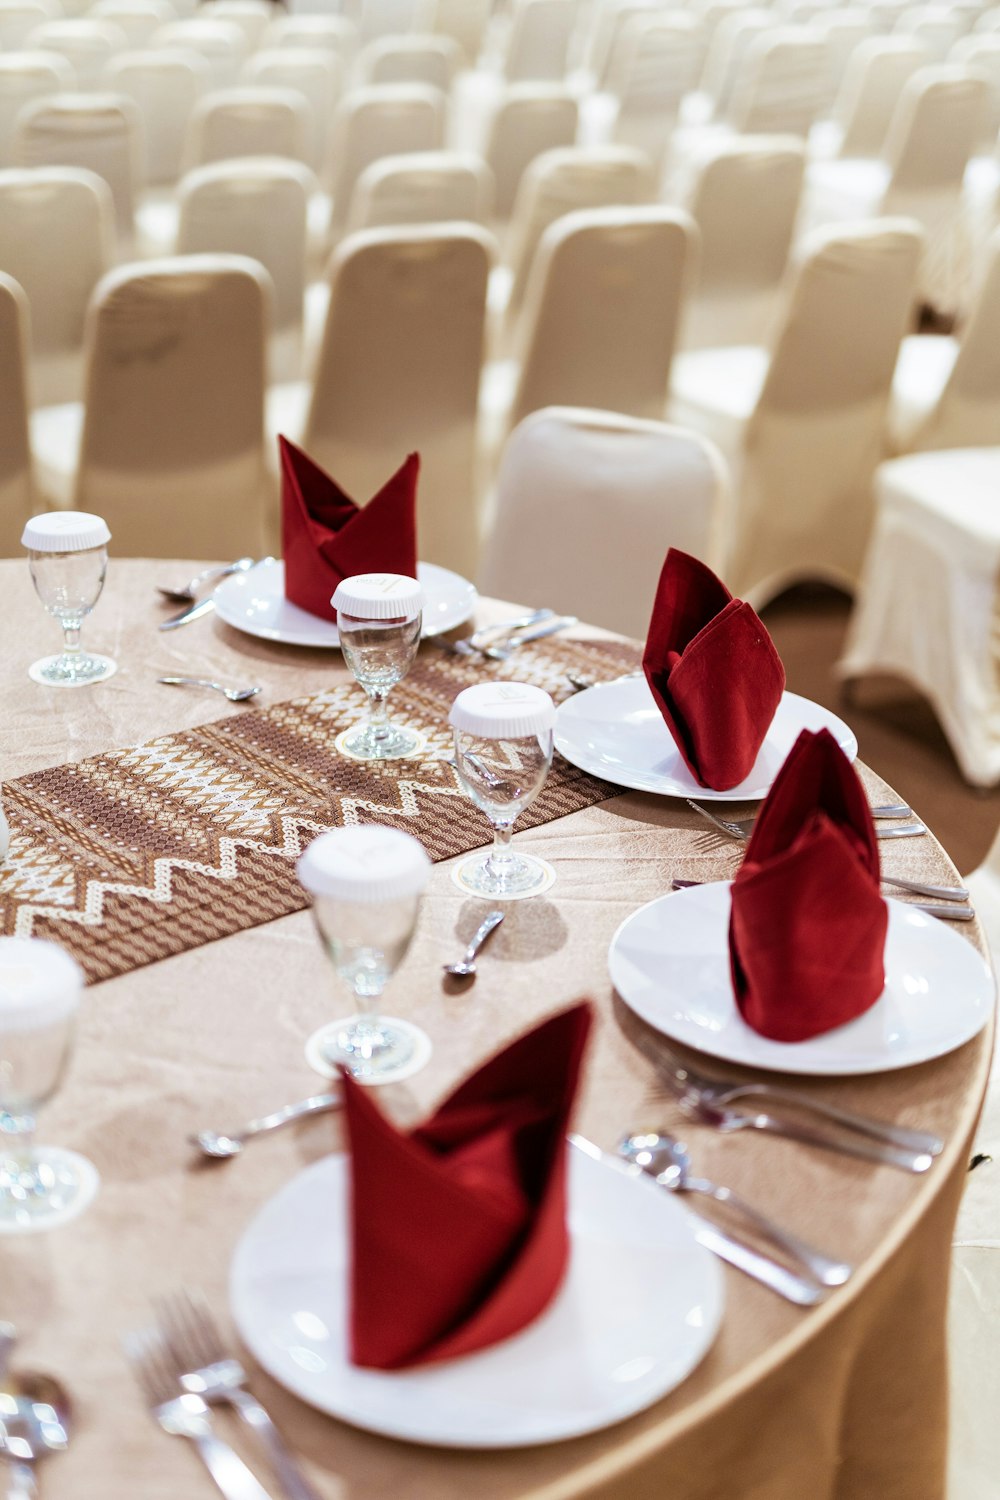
(40, 984)
(367, 863)
(502, 710)
(379, 596)
(65, 531)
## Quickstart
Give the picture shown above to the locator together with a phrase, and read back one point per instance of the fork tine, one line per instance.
(147, 1353)
(188, 1328)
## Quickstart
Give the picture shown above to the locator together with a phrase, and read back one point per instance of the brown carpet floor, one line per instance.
(897, 732)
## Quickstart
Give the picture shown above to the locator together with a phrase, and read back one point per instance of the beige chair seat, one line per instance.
(927, 602)
(716, 391)
(925, 363)
(56, 432)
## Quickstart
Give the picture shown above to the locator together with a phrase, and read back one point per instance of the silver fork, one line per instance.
(742, 828)
(710, 1098)
(186, 1415)
(203, 1366)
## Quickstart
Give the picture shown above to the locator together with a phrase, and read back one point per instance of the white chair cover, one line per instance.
(165, 85)
(387, 18)
(57, 241)
(87, 45)
(317, 73)
(222, 44)
(101, 132)
(25, 76)
(16, 497)
(934, 25)
(252, 16)
(465, 21)
(529, 119)
(172, 451)
(19, 18)
(538, 44)
(845, 28)
(422, 187)
(612, 40)
(419, 58)
(744, 198)
(869, 92)
(386, 119)
(138, 19)
(247, 122)
(804, 433)
(336, 34)
(927, 607)
(983, 53)
(587, 503)
(780, 85)
(398, 371)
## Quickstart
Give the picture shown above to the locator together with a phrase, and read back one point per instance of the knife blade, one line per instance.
(203, 607)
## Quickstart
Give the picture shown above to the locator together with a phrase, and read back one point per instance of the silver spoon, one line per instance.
(221, 1145)
(466, 965)
(35, 1415)
(186, 593)
(235, 695)
(8, 1338)
(668, 1161)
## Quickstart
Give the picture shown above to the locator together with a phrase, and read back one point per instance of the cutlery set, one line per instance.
(35, 1420)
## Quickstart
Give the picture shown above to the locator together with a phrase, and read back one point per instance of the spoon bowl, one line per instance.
(466, 966)
(235, 695)
(187, 593)
(35, 1420)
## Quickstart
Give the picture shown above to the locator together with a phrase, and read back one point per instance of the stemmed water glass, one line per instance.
(68, 557)
(40, 986)
(379, 616)
(503, 750)
(366, 883)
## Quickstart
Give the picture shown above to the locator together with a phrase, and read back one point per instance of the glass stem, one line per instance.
(17, 1132)
(378, 714)
(71, 637)
(500, 853)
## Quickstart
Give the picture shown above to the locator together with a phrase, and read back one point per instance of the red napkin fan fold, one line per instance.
(713, 670)
(326, 537)
(458, 1228)
(808, 923)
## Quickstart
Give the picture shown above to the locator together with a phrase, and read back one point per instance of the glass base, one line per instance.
(391, 742)
(72, 669)
(509, 879)
(382, 1050)
(49, 1188)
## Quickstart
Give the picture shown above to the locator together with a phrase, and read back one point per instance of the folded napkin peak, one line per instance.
(713, 670)
(808, 923)
(458, 1228)
(326, 537)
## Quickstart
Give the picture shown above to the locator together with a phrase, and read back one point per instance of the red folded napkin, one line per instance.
(713, 670)
(807, 928)
(458, 1229)
(325, 537)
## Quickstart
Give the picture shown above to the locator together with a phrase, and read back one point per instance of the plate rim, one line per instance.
(699, 793)
(795, 1063)
(239, 581)
(684, 1224)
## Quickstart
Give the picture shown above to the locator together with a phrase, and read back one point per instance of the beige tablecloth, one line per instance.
(844, 1402)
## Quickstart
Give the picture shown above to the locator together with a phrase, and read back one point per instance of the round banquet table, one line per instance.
(846, 1400)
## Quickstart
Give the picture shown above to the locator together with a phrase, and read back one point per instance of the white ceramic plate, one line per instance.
(638, 1310)
(669, 961)
(616, 731)
(255, 603)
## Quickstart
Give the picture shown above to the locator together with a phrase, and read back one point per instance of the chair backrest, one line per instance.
(137, 18)
(165, 85)
(983, 53)
(780, 86)
(530, 118)
(18, 19)
(422, 187)
(934, 25)
(15, 449)
(98, 131)
(387, 18)
(406, 320)
(86, 44)
(601, 310)
(726, 52)
(935, 127)
(25, 76)
(745, 201)
(569, 480)
(845, 28)
(254, 206)
(539, 39)
(876, 75)
(816, 435)
(252, 16)
(385, 119)
(611, 42)
(465, 21)
(336, 34)
(247, 122)
(317, 74)
(172, 453)
(660, 59)
(560, 182)
(419, 58)
(56, 241)
(967, 415)
(222, 44)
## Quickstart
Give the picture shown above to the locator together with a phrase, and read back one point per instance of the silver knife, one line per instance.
(769, 1273)
(203, 607)
(538, 632)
